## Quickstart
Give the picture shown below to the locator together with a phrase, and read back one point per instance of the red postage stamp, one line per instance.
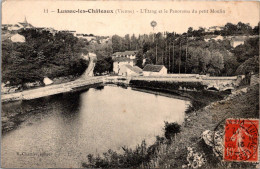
(241, 140)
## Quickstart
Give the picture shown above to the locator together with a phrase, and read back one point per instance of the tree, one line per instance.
(104, 65)
(43, 54)
(249, 49)
(216, 63)
(251, 65)
(116, 43)
(171, 129)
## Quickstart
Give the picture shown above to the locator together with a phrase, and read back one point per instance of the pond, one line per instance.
(60, 131)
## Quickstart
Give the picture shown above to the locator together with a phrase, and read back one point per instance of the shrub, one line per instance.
(171, 129)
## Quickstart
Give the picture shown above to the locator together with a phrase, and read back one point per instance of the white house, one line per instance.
(154, 70)
(239, 40)
(123, 58)
(17, 38)
(215, 28)
(119, 62)
(207, 38)
(126, 54)
(47, 81)
(128, 70)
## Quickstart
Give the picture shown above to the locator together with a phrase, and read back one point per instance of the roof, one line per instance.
(239, 38)
(126, 53)
(17, 38)
(153, 68)
(135, 69)
(122, 59)
(25, 25)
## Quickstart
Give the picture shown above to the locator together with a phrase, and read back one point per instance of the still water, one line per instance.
(60, 131)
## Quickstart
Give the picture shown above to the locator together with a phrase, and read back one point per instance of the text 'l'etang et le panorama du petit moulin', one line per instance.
(173, 11)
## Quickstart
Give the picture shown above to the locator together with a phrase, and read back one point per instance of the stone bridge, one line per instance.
(211, 83)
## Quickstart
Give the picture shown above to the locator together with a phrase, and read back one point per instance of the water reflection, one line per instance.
(72, 125)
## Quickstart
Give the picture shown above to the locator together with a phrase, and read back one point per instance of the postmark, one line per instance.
(241, 140)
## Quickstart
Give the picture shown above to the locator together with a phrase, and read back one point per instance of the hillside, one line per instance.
(43, 54)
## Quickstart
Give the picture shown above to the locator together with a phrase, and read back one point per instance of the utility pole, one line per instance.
(186, 54)
(166, 53)
(173, 53)
(169, 56)
(156, 54)
(180, 58)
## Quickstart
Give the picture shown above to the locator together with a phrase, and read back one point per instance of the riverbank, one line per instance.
(190, 148)
(51, 89)
(12, 119)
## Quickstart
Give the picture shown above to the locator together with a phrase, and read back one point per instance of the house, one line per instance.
(123, 58)
(17, 38)
(128, 70)
(154, 70)
(47, 81)
(126, 54)
(238, 40)
(207, 38)
(104, 40)
(119, 62)
(86, 36)
(20, 25)
(215, 28)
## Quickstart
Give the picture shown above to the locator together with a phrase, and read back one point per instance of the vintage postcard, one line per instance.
(129, 84)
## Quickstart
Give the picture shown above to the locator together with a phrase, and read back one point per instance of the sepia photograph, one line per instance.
(129, 84)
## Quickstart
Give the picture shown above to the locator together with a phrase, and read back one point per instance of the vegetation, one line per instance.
(171, 129)
(43, 54)
(228, 30)
(167, 85)
(189, 53)
(133, 158)
(103, 65)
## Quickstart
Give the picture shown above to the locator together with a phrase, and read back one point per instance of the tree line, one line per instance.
(190, 53)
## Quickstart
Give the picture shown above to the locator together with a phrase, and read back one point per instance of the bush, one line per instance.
(171, 129)
(195, 105)
(168, 85)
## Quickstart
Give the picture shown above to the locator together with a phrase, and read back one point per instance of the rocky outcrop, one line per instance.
(214, 139)
(195, 159)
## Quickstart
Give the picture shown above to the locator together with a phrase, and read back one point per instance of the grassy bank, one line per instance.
(243, 105)
(188, 149)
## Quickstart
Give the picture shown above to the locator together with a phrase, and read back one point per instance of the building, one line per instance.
(154, 70)
(238, 40)
(105, 40)
(215, 28)
(20, 25)
(126, 54)
(123, 58)
(207, 38)
(128, 70)
(119, 62)
(86, 36)
(17, 38)
(73, 32)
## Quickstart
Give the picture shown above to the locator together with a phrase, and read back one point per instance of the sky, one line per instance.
(108, 24)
